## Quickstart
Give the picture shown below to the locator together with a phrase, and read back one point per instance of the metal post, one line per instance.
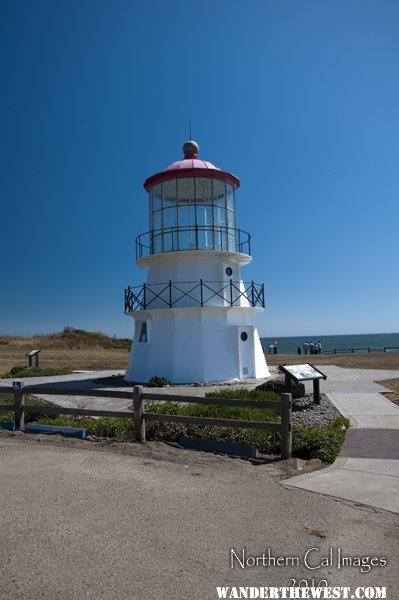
(231, 293)
(138, 414)
(202, 294)
(286, 426)
(144, 296)
(316, 391)
(19, 404)
(252, 294)
(170, 294)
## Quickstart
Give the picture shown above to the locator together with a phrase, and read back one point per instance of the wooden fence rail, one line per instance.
(140, 416)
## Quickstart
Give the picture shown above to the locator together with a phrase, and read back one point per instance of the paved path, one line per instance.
(84, 380)
(367, 469)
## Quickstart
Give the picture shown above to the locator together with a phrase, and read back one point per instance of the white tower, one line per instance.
(194, 317)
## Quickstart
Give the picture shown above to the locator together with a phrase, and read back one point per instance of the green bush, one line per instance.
(21, 371)
(119, 429)
(156, 381)
(327, 441)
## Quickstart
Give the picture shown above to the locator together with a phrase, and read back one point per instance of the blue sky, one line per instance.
(299, 99)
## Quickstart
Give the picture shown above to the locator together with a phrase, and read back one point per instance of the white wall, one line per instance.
(194, 344)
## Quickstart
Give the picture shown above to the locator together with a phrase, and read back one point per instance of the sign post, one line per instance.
(17, 387)
(306, 372)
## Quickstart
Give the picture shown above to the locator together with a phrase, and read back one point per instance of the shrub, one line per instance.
(327, 441)
(20, 371)
(156, 381)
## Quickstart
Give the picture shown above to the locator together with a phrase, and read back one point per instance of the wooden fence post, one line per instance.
(286, 426)
(19, 404)
(138, 410)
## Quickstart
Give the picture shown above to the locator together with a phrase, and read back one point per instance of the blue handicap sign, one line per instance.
(17, 385)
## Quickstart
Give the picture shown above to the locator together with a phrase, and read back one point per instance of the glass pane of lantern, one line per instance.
(230, 196)
(156, 220)
(231, 240)
(204, 215)
(156, 242)
(186, 216)
(203, 190)
(185, 189)
(219, 193)
(205, 238)
(167, 241)
(169, 192)
(169, 217)
(219, 217)
(230, 219)
(156, 197)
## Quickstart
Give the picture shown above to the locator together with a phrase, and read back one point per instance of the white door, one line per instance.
(246, 351)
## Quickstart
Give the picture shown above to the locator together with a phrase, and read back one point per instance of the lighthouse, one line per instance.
(194, 315)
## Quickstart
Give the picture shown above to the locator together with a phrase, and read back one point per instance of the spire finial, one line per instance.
(191, 149)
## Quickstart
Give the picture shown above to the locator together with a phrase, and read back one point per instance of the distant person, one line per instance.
(305, 348)
(311, 348)
(299, 350)
(320, 347)
(275, 346)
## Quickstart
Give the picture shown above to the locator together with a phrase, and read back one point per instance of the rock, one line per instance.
(277, 385)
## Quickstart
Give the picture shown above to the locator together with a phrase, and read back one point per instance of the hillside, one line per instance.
(69, 338)
(75, 349)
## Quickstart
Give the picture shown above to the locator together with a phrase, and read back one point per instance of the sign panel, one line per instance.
(32, 353)
(303, 372)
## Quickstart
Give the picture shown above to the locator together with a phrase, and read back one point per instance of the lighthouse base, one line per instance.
(187, 345)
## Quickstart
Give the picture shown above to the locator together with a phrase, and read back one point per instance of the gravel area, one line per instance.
(306, 412)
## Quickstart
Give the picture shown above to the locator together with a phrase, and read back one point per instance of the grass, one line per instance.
(374, 360)
(393, 385)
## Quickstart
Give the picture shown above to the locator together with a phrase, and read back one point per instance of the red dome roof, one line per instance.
(191, 163)
(190, 166)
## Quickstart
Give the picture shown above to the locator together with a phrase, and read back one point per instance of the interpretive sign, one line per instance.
(31, 354)
(303, 373)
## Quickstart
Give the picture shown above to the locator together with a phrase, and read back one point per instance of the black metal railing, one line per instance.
(368, 350)
(192, 237)
(193, 294)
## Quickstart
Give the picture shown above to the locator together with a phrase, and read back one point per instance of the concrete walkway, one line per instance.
(80, 380)
(367, 469)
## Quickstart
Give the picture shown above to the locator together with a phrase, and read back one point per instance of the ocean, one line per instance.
(289, 345)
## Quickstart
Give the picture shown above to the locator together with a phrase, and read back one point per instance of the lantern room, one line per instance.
(192, 207)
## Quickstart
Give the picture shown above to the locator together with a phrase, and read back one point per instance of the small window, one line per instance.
(229, 271)
(244, 336)
(143, 332)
